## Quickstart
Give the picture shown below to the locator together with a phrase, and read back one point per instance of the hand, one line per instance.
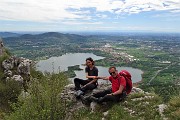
(95, 77)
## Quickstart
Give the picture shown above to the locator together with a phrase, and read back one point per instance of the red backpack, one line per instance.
(127, 76)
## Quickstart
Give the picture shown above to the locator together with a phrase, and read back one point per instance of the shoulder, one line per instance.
(95, 68)
(110, 78)
(87, 68)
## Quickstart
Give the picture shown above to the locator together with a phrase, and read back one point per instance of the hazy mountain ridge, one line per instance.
(38, 45)
(8, 34)
(51, 36)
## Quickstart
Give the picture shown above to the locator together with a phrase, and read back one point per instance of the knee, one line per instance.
(76, 79)
(108, 96)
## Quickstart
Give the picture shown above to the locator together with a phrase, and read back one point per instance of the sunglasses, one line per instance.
(112, 73)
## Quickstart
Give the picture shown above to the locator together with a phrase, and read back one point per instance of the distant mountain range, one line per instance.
(8, 34)
(53, 34)
(48, 37)
(45, 44)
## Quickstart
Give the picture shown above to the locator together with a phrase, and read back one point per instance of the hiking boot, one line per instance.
(100, 100)
(79, 93)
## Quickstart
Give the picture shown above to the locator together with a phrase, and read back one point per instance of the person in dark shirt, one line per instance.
(91, 71)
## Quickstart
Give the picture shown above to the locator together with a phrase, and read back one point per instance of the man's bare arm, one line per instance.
(104, 78)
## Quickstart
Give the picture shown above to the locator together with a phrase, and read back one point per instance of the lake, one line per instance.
(61, 63)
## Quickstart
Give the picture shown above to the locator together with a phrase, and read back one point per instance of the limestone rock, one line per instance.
(8, 64)
(8, 73)
(68, 93)
(24, 67)
(142, 98)
(136, 90)
(24, 94)
(161, 109)
(70, 87)
(17, 78)
(106, 113)
(93, 106)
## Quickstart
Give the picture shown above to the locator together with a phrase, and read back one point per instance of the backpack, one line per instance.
(127, 77)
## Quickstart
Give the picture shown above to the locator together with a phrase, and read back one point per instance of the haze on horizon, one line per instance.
(90, 15)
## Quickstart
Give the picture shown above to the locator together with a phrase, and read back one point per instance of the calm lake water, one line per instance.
(61, 63)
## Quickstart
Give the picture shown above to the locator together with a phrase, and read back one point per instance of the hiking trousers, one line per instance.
(103, 97)
(78, 82)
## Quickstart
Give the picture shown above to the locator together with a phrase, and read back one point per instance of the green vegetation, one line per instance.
(2, 58)
(128, 110)
(43, 100)
(85, 114)
(70, 73)
(9, 89)
(75, 67)
(173, 110)
(165, 90)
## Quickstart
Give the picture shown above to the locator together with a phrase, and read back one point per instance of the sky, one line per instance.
(90, 15)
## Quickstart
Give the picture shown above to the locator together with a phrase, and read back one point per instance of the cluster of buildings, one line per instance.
(115, 52)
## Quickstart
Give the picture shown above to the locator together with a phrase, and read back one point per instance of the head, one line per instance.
(89, 61)
(113, 72)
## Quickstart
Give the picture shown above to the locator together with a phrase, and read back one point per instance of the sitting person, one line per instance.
(117, 92)
(89, 84)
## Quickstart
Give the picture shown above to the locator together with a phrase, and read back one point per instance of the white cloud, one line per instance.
(34, 10)
(57, 10)
(166, 15)
(101, 16)
(81, 23)
(175, 11)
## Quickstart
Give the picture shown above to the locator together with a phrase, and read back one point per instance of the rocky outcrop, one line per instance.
(143, 98)
(161, 109)
(24, 66)
(15, 68)
(8, 73)
(1, 47)
(17, 78)
(8, 64)
(68, 95)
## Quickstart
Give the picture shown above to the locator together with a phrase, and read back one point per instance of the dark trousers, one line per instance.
(103, 97)
(78, 82)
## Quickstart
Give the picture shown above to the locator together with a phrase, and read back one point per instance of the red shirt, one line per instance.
(116, 83)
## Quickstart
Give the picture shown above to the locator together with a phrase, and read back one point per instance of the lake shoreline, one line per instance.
(62, 63)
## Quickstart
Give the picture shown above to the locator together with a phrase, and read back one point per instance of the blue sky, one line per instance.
(90, 15)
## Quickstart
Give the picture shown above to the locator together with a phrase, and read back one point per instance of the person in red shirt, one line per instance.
(117, 91)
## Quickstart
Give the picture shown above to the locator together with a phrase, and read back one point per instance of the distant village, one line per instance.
(117, 56)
